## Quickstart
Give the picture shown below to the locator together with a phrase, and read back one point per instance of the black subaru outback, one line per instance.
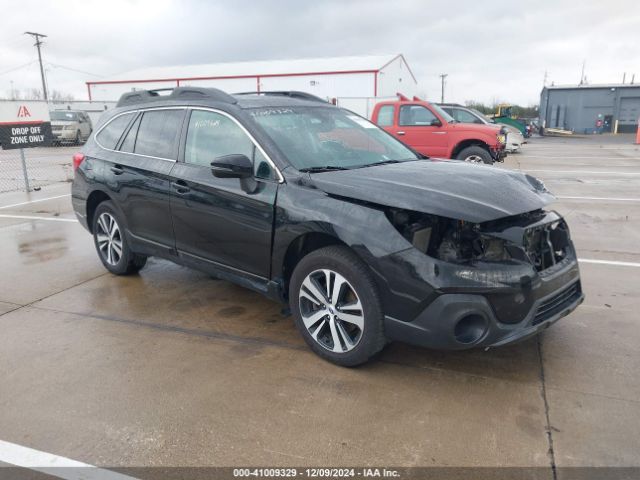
(365, 240)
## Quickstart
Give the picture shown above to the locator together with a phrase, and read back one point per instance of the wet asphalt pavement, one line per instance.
(173, 368)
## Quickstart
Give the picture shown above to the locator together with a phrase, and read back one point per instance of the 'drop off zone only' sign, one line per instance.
(24, 125)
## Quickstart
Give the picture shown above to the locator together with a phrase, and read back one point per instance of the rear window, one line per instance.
(129, 141)
(158, 133)
(385, 116)
(111, 133)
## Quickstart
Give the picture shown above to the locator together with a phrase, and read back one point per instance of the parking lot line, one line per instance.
(54, 465)
(589, 172)
(30, 217)
(606, 199)
(609, 262)
(526, 156)
(34, 201)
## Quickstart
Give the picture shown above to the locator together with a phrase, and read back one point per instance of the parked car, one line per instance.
(431, 131)
(364, 239)
(70, 126)
(461, 114)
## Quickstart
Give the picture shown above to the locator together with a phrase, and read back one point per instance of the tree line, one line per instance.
(520, 111)
(36, 94)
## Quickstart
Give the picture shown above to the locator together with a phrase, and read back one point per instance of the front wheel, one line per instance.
(336, 306)
(111, 242)
(475, 154)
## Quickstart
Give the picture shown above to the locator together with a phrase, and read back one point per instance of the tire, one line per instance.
(111, 243)
(322, 320)
(475, 154)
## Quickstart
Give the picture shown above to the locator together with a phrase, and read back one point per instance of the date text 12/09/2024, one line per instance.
(315, 472)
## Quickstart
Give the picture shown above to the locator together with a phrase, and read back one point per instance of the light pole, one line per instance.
(38, 36)
(442, 78)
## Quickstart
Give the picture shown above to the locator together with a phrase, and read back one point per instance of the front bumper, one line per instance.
(64, 135)
(513, 148)
(463, 319)
(499, 154)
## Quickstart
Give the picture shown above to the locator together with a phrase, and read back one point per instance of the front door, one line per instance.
(419, 128)
(227, 222)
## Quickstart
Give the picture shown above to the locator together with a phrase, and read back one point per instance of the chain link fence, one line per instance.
(32, 168)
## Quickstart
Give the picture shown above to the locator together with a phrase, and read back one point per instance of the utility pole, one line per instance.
(582, 79)
(442, 78)
(38, 36)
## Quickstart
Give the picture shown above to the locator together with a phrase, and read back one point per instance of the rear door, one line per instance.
(227, 222)
(138, 174)
(414, 127)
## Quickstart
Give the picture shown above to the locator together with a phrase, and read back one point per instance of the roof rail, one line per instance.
(287, 93)
(178, 93)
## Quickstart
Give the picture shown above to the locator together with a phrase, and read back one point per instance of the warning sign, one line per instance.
(24, 125)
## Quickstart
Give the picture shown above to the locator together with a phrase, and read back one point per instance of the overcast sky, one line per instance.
(492, 50)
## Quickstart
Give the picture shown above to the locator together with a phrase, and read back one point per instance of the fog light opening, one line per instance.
(470, 328)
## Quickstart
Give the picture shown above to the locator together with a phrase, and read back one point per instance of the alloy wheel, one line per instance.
(474, 159)
(331, 310)
(109, 238)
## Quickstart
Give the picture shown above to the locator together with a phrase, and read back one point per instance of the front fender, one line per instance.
(364, 228)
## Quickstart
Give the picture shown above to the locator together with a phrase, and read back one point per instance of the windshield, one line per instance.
(482, 115)
(446, 117)
(69, 116)
(321, 137)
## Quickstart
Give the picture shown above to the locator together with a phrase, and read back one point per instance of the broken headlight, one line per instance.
(449, 240)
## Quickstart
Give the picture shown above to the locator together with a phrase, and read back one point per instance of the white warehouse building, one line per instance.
(350, 80)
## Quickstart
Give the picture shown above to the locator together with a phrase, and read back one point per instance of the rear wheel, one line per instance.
(111, 242)
(336, 306)
(475, 154)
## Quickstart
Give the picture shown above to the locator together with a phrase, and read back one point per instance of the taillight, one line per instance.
(78, 158)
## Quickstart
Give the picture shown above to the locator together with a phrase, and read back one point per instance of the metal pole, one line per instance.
(37, 44)
(442, 77)
(24, 170)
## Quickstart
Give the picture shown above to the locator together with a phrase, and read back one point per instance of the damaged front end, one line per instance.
(492, 283)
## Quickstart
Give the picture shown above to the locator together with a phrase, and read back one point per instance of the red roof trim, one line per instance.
(231, 77)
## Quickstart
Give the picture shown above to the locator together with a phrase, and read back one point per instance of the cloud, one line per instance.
(491, 50)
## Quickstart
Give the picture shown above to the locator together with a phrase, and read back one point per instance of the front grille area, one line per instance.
(547, 245)
(555, 304)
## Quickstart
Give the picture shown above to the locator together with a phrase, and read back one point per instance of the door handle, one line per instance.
(400, 133)
(439, 133)
(117, 170)
(180, 187)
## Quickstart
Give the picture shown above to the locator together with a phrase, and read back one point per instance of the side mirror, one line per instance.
(436, 123)
(232, 166)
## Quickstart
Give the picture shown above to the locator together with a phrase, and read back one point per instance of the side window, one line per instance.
(385, 116)
(158, 133)
(212, 135)
(111, 133)
(130, 139)
(415, 115)
(465, 117)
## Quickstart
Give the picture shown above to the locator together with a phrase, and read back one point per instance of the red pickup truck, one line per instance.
(433, 132)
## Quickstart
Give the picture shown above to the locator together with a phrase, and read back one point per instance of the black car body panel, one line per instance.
(251, 230)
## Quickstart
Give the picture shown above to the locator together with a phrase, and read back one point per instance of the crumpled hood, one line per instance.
(453, 189)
